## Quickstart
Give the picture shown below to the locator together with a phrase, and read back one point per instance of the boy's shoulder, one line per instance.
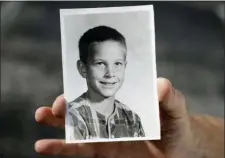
(78, 102)
(129, 113)
(125, 108)
(121, 105)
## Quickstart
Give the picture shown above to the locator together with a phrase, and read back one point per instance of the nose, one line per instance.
(109, 72)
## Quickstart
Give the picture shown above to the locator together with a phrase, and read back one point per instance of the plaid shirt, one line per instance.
(84, 122)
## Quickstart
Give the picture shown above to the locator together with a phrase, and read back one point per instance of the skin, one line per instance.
(183, 136)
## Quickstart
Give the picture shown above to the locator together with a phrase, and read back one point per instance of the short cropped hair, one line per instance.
(98, 34)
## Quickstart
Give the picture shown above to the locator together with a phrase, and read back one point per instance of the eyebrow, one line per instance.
(121, 60)
(95, 60)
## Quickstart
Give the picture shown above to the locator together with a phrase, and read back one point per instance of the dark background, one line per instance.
(189, 50)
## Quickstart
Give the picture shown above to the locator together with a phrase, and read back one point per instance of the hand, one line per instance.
(177, 136)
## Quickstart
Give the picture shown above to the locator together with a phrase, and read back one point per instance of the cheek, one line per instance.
(121, 74)
(95, 73)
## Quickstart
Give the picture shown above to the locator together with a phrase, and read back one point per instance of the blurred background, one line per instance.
(189, 51)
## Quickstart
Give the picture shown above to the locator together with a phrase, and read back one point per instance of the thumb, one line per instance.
(171, 101)
(175, 126)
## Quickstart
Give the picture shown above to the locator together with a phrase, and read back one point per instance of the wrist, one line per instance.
(207, 137)
(191, 145)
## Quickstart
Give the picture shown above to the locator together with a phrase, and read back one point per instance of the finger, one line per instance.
(171, 101)
(163, 87)
(140, 149)
(154, 150)
(59, 107)
(44, 115)
(58, 147)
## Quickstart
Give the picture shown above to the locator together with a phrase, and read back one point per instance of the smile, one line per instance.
(108, 83)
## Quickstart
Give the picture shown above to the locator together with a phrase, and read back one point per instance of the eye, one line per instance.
(118, 63)
(99, 64)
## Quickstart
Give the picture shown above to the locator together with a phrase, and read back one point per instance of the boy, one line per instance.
(96, 113)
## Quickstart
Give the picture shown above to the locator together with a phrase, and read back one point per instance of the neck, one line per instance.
(103, 105)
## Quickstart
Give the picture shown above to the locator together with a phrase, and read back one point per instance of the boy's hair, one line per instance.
(98, 34)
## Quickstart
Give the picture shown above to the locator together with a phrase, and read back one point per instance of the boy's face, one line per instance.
(106, 68)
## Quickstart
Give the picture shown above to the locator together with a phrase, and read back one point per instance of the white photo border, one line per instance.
(122, 9)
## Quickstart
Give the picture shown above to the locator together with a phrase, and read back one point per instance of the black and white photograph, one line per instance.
(109, 74)
(112, 79)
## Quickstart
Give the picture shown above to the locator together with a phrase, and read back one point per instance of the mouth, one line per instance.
(108, 83)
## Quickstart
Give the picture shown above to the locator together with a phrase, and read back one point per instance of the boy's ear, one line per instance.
(82, 68)
(125, 63)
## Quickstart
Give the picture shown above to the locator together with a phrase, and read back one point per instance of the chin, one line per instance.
(108, 94)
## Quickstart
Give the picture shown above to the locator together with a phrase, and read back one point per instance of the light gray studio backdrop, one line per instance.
(139, 88)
